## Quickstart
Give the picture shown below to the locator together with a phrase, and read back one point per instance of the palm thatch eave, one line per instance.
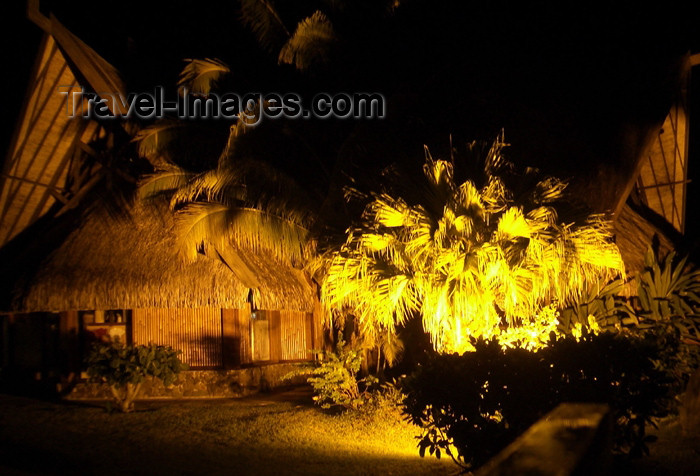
(112, 263)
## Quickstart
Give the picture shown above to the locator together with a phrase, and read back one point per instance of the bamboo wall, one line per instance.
(197, 332)
(296, 335)
(227, 338)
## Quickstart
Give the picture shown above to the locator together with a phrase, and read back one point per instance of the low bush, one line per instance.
(337, 385)
(123, 368)
(335, 380)
(471, 406)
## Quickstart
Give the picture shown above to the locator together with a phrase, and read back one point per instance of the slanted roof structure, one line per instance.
(653, 207)
(45, 166)
(59, 257)
(663, 177)
(127, 263)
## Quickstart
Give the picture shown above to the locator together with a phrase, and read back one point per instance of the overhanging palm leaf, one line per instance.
(155, 141)
(310, 43)
(202, 224)
(265, 23)
(199, 75)
(164, 182)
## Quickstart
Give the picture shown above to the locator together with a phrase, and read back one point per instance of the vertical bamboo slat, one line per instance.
(275, 333)
(295, 336)
(243, 321)
(232, 351)
(196, 332)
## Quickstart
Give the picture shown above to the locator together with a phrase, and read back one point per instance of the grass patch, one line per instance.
(242, 437)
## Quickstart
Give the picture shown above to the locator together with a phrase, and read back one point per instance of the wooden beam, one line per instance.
(73, 202)
(100, 76)
(35, 16)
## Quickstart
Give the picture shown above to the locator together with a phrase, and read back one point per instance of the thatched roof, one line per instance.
(119, 263)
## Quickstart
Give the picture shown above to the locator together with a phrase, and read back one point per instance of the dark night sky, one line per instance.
(561, 79)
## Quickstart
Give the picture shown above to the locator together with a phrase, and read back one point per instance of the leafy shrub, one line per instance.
(335, 381)
(603, 304)
(667, 296)
(480, 401)
(124, 368)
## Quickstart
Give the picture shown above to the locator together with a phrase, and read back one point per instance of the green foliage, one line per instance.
(467, 254)
(335, 381)
(481, 401)
(605, 303)
(668, 296)
(668, 293)
(125, 367)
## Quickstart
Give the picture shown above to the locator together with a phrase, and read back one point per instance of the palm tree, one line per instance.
(311, 40)
(467, 257)
(240, 203)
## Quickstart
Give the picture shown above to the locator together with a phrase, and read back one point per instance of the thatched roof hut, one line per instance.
(132, 262)
(123, 276)
(70, 268)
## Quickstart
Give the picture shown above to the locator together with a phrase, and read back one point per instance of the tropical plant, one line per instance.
(471, 406)
(335, 380)
(468, 257)
(239, 203)
(310, 39)
(602, 306)
(669, 293)
(124, 368)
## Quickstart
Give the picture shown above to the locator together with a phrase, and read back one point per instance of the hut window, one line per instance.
(98, 324)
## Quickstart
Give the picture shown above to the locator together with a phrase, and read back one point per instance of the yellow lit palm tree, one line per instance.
(469, 259)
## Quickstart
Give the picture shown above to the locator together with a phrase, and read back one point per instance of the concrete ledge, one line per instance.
(572, 439)
(204, 383)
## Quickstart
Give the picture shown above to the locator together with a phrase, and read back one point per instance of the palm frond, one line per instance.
(165, 181)
(154, 141)
(513, 224)
(473, 264)
(310, 43)
(549, 190)
(199, 75)
(261, 17)
(236, 131)
(199, 224)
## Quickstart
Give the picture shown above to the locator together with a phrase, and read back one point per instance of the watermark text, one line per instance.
(251, 107)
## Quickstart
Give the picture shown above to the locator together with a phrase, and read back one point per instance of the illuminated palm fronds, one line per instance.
(480, 263)
(310, 43)
(199, 75)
